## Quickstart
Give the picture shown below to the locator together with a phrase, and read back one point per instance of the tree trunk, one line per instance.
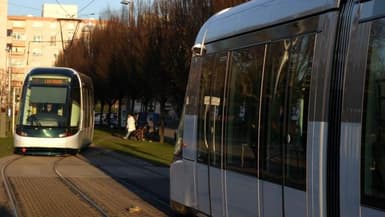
(101, 113)
(132, 110)
(162, 117)
(119, 113)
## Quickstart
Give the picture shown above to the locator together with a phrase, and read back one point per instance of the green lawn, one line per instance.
(151, 151)
(6, 146)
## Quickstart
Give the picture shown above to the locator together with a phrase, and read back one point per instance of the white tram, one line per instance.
(56, 112)
(285, 112)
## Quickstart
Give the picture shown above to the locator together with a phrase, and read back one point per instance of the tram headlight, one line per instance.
(65, 134)
(21, 132)
(61, 135)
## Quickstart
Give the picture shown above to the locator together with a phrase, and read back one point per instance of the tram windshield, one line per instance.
(45, 103)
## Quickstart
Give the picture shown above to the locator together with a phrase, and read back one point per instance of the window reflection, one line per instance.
(272, 124)
(191, 101)
(210, 112)
(243, 109)
(285, 111)
(300, 69)
(373, 135)
(207, 73)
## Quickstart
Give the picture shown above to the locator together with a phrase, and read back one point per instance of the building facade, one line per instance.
(37, 41)
(59, 11)
(3, 53)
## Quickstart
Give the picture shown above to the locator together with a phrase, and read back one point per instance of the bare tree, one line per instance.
(147, 58)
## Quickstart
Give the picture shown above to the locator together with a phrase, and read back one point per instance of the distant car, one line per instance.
(102, 119)
(98, 118)
(144, 116)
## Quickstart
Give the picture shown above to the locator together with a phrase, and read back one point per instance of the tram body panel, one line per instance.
(190, 138)
(70, 142)
(316, 152)
(183, 172)
(325, 158)
(247, 190)
(277, 12)
(350, 146)
(182, 176)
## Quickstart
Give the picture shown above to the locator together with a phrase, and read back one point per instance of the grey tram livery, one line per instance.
(56, 112)
(283, 112)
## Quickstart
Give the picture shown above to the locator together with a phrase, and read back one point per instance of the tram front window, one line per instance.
(45, 107)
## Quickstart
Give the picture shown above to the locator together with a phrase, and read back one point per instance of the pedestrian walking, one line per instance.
(130, 126)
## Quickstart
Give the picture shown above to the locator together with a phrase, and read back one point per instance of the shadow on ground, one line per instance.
(152, 185)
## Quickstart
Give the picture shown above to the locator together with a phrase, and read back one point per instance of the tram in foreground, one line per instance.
(285, 112)
(56, 112)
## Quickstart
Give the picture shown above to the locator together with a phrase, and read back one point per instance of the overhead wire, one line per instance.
(61, 6)
(65, 11)
(84, 7)
(23, 6)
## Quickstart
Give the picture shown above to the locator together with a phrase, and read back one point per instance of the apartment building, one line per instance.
(3, 53)
(36, 41)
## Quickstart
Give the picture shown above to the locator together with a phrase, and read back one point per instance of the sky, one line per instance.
(86, 8)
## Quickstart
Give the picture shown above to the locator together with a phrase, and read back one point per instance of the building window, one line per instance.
(37, 52)
(18, 50)
(9, 32)
(37, 38)
(53, 40)
(18, 36)
(17, 63)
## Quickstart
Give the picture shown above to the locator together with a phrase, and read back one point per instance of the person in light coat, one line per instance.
(130, 126)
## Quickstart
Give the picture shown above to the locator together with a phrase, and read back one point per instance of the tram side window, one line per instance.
(243, 110)
(204, 91)
(192, 90)
(298, 102)
(75, 107)
(272, 117)
(285, 111)
(373, 135)
(86, 107)
(216, 105)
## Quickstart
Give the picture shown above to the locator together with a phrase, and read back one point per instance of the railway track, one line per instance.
(78, 191)
(147, 190)
(54, 195)
(38, 186)
(7, 186)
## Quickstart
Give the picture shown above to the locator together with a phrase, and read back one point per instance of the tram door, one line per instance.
(362, 168)
(209, 166)
(373, 117)
(283, 136)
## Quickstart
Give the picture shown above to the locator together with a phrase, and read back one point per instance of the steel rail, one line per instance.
(8, 187)
(76, 189)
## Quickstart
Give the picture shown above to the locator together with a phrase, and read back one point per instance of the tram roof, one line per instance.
(258, 14)
(58, 70)
(49, 70)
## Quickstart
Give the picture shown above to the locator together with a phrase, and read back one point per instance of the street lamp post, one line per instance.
(9, 50)
(130, 6)
(9, 69)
